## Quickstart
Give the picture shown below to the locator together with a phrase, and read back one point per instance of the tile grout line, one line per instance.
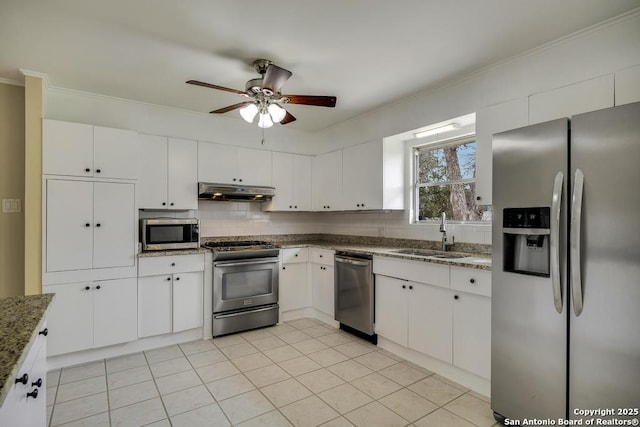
(153, 378)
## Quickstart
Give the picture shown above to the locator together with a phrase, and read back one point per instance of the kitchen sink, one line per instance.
(418, 252)
(449, 256)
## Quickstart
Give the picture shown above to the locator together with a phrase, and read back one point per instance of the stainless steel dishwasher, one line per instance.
(354, 294)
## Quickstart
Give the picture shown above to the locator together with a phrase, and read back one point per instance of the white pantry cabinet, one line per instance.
(170, 294)
(168, 173)
(26, 403)
(293, 282)
(490, 120)
(94, 314)
(77, 149)
(327, 181)
(322, 280)
(292, 181)
(227, 164)
(89, 225)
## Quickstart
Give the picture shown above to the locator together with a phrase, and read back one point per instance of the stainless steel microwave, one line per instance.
(159, 234)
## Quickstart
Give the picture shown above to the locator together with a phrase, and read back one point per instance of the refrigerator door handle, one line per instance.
(574, 247)
(554, 238)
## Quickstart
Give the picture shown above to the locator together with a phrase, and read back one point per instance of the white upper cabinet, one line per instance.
(490, 120)
(292, 180)
(98, 232)
(362, 176)
(582, 97)
(327, 181)
(168, 173)
(226, 164)
(76, 149)
(627, 88)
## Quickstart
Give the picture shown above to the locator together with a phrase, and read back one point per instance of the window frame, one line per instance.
(434, 145)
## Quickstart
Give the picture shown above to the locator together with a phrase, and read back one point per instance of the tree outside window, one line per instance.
(445, 180)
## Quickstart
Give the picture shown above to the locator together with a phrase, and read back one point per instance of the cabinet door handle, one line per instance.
(98, 225)
(290, 206)
(168, 278)
(23, 379)
(410, 286)
(87, 170)
(171, 204)
(404, 286)
(234, 179)
(472, 280)
(284, 268)
(240, 180)
(173, 264)
(98, 171)
(34, 393)
(86, 288)
(37, 383)
(164, 203)
(98, 287)
(44, 332)
(478, 198)
(296, 207)
(87, 224)
(296, 255)
(178, 278)
(456, 297)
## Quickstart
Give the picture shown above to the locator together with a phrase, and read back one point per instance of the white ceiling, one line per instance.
(368, 53)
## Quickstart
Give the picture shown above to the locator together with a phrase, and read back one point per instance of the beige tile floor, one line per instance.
(301, 373)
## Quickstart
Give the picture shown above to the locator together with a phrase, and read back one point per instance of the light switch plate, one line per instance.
(11, 205)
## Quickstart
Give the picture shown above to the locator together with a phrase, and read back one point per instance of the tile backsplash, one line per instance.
(238, 219)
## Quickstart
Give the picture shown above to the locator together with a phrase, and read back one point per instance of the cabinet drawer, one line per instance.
(293, 255)
(321, 256)
(151, 266)
(471, 280)
(416, 271)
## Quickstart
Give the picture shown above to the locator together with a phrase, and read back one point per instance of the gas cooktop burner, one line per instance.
(242, 249)
(239, 246)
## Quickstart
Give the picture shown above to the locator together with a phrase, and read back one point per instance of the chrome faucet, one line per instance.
(443, 230)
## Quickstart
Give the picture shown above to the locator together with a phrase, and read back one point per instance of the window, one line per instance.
(445, 180)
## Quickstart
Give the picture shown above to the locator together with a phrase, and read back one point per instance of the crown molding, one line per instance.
(31, 73)
(11, 82)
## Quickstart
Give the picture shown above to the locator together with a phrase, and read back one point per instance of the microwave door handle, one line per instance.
(574, 246)
(554, 240)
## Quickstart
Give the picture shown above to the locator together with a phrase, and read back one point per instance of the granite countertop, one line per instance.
(20, 321)
(169, 252)
(470, 260)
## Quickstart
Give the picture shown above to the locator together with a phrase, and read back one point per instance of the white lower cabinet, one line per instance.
(94, 314)
(26, 403)
(170, 300)
(322, 280)
(293, 291)
(450, 321)
(472, 333)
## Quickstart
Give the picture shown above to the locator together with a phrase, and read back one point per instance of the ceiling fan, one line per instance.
(265, 98)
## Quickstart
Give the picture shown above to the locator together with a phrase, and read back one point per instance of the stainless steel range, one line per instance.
(245, 285)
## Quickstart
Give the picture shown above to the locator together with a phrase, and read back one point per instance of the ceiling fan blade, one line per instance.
(230, 108)
(209, 85)
(320, 101)
(275, 77)
(288, 118)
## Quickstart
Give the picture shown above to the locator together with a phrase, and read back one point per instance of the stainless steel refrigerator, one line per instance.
(566, 267)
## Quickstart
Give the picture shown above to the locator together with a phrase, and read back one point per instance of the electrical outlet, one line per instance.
(11, 205)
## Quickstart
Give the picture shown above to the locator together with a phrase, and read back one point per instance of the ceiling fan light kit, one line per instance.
(265, 96)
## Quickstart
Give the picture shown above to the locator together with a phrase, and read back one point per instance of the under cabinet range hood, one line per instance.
(234, 193)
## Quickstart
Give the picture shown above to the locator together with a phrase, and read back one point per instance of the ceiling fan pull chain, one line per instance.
(262, 141)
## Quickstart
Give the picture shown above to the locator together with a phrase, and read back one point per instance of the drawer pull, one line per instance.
(34, 393)
(44, 332)
(23, 379)
(472, 281)
(168, 278)
(173, 264)
(37, 383)
(456, 297)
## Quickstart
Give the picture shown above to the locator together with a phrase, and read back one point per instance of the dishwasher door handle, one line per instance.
(353, 261)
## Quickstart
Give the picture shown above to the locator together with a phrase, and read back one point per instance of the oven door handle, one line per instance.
(243, 263)
(244, 312)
